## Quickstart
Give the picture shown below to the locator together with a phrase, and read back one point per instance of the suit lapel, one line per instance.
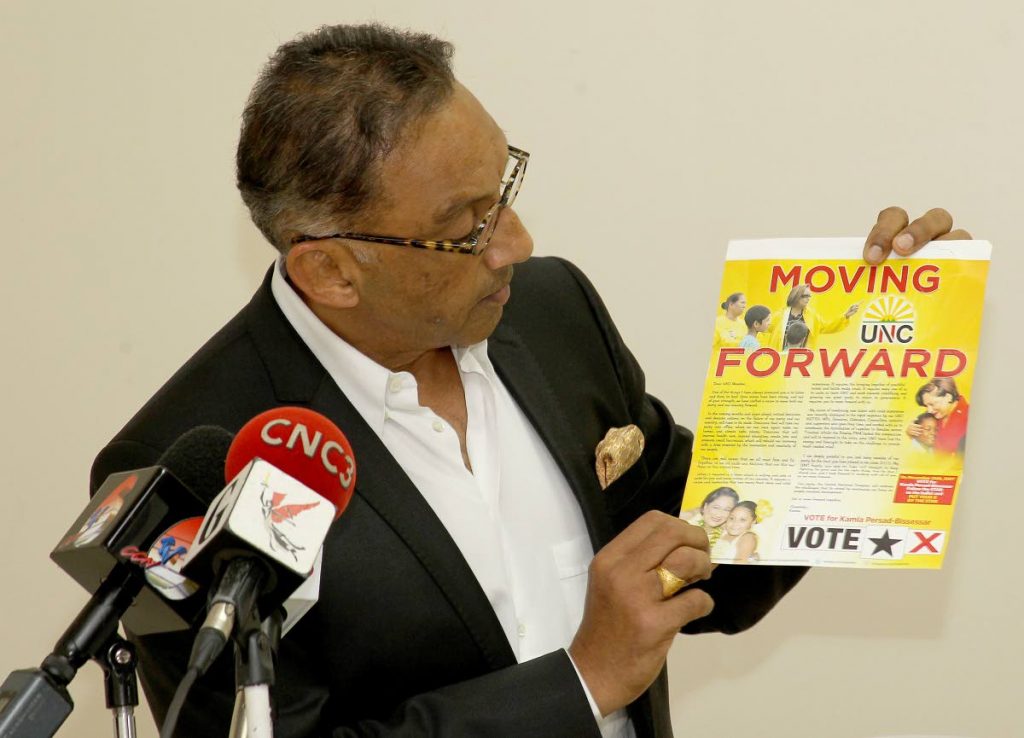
(298, 377)
(381, 482)
(525, 379)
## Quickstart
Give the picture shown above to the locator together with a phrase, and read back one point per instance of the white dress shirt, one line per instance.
(532, 565)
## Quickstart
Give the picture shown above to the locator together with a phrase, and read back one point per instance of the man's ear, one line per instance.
(325, 273)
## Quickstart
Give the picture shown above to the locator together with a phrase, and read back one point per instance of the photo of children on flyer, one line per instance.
(729, 523)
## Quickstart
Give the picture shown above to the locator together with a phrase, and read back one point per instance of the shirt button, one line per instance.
(395, 384)
(438, 426)
(521, 630)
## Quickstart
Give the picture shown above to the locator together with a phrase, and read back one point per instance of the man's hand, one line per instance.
(628, 626)
(895, 232)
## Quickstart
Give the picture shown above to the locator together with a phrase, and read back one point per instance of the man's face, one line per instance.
(438, 184)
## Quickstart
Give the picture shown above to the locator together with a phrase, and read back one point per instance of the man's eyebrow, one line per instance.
(449, 211)
(446, 212)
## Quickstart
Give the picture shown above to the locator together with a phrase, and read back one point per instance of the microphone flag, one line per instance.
(267, 514)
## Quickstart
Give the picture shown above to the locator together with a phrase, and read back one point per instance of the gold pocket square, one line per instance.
(618, 451)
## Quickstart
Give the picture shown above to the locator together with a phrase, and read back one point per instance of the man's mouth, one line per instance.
(500, 296)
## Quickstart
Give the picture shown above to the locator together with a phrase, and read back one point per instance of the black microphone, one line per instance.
(140, 525)
(132, 512)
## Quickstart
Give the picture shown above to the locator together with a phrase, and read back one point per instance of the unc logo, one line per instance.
(888, 320)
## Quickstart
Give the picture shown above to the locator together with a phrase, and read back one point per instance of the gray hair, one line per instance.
(325, 112)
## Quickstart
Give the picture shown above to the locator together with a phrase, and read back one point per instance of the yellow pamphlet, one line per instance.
(835, 413)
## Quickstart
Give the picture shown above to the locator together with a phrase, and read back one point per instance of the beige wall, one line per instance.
(658, 130)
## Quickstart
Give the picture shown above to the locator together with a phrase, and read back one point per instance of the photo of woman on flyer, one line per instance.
(797, 310)
(713, 512)
(942, 400)
(730, 328)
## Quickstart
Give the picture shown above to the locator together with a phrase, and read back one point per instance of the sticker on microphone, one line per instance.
(292, 518)
(165, 559)
(100, 519)
(272, 512)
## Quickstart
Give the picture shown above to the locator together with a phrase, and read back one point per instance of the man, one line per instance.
(474, 384)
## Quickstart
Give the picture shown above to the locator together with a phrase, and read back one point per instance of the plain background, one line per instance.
(659, 130)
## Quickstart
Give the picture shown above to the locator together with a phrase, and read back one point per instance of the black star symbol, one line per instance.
(885, 543)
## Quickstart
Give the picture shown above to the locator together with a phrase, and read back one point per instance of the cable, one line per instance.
(171, 719)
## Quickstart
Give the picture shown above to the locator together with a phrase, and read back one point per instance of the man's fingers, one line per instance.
(879, 242)
(680, 568)
(935, 223)
(636, 532)
(689, 605)
(650, 537)
(958, 235)
(893, 233)
(689, 564)
(672, 536)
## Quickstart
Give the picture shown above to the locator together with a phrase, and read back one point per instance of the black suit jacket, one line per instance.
(403, 640)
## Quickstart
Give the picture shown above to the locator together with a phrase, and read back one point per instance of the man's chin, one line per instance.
(499, 297)
(482, 326)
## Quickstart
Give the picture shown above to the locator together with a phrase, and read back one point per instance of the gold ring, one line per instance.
(670, 583)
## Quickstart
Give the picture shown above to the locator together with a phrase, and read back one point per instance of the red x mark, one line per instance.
(925, 542)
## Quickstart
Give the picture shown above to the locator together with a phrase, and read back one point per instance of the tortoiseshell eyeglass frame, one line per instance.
(478, 238)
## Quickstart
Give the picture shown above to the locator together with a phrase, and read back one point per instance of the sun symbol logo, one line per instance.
(888, 319)
(890, 309)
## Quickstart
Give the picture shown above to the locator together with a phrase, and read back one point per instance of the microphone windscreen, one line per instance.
(301, 443)
(197, 459)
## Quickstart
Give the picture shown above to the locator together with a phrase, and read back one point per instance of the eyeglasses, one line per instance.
(478, 238)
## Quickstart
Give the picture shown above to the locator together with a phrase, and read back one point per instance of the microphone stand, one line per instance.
(34, 703)
(255, 652)
(121, 686)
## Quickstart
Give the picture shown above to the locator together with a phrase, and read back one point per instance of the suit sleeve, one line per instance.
(742, 594)
(543, 696)
(539, 697)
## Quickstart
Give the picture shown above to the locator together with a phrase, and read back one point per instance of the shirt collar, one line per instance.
(474, 359)
(360, 378)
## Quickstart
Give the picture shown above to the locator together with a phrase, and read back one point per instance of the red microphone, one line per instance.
(302, 443)
(261, 537)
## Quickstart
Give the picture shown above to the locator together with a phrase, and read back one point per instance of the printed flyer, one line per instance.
(835, 412)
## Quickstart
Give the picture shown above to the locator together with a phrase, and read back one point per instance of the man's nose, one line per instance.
(511, 242)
